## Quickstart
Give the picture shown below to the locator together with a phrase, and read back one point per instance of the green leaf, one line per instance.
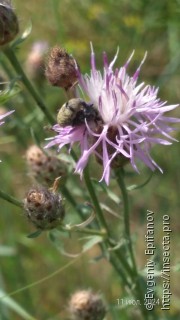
(118, 245)
(51, 236)
(109, 210)
(136, 186)
(90, 243)
(113, 196)
(9, 93)
(102, 186)
(59, 244)
(97, 258)
(35, 234)
(5, 299)
(23, 37)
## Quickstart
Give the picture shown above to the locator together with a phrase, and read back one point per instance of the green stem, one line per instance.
(121, 183)
(100, 232)
(8, 51)
(137, 279)
(10, 199)
(97, 208)
(124, 262)
(119, 270)
(103, 223)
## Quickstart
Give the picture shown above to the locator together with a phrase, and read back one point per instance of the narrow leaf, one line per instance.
(136, 186)
(23, 37)
(15, 306)
(93, 241)
(34, 234)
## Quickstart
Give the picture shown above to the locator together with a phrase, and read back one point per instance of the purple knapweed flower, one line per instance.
(132, 119)
(2, 116)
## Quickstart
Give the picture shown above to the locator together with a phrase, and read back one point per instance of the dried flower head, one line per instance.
(86, 305)
(35, 63)
(45, 168)
(132, 116)
(60, 69)
(44, 208)
(9, 26)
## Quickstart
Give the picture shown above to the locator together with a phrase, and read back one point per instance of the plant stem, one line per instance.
(101, 232)
(136, 278)
(121, 183)
(119, 270)
(102, 222)
(10, 199)
(9, 53)
(98, 210)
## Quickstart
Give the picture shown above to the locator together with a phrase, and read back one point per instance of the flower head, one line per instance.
(132, 119)
(44, 168)
(44, 208)
(60, 70)
(86, 305)
(9, 25)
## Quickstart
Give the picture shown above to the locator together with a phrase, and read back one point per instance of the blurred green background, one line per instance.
(143, 25)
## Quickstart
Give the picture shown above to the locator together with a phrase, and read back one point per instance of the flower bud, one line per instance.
(44, 208)
(45, 168)
(86, 305)
(60, 69)
(9, 26)
(35, 63)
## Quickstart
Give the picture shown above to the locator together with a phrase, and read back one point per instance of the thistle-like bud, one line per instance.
(86, 305)
(9, 26)
(35, 63)
(60, 69)
(44, 168)
(44, 208)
